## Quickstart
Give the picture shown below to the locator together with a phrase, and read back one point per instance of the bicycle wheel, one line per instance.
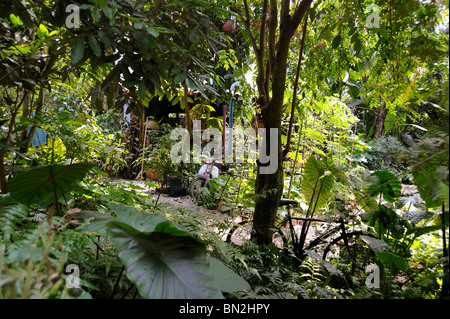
(195, 189)
(239, 233)
(281, 232)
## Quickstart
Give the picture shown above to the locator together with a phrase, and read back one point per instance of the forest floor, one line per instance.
(185, 202)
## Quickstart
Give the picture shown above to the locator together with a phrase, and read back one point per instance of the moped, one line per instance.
(201, 179)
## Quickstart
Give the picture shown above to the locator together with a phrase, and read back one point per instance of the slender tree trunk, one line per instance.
(3, 187)
(4, 149)
(28, 136)
(294, 96)
(380, 117)
(186, 110)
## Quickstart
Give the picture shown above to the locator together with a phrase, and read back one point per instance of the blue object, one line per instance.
(39, 138)
(230, 128)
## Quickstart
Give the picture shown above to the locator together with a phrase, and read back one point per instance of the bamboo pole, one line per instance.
(295, 161)
(141, 173)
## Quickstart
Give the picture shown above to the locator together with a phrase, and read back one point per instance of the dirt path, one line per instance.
(182, 202)
(186, 202)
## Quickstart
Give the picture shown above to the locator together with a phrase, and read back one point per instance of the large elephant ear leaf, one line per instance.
(226, 279)
(44, 183)
(316, 184)
(162, 265)
(147, 222)
(387, 184)
(141, 220)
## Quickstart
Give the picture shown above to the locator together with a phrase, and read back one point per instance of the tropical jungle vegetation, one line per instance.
(357, 92)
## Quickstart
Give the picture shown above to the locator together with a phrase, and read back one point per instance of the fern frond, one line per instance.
(10, 216)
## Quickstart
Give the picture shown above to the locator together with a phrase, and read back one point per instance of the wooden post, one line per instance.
(141, 173)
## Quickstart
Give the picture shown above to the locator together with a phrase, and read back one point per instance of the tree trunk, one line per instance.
(269, 187)
(380, 117)
(3, 187)
(186, 110)
(268, 191)
(4, 149)
(27, 137)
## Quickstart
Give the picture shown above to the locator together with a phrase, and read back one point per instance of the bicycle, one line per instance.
(199, 186)
(334, 239)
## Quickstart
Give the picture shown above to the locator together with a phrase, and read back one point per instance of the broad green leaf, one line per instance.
(78, 50)
(113, 75)
(109, 13)
(376, 244)
(104, 39)
(336, 42)
(139, 219)
(179, 78)
(142, 90)
(316, 182)
(226, 279)
(337, 170)
(153, 31)
(313, 169)
(95, 46)
(444, 192)
(55, 149)
(20, 8)
(163, 266)
(326, 33)
(139, 25)
(366, 202)
(357, 45)
(390, 259)
(390, 121)
(388, 185)
(42, 32)
(43, 182)
(96, 15)
(15, 19)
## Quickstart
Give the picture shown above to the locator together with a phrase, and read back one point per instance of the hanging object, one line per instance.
(224, 124)
(230, 128)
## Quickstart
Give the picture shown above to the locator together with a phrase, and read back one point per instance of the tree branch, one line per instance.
(300, 11)
(262, 37)
(273, 21)
(259, 51)
(294, 96)
(246, 21)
